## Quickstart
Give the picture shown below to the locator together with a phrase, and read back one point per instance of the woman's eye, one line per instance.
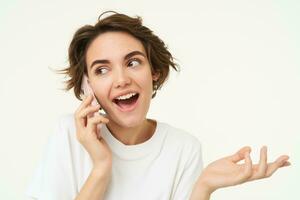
(133, 63)
(101, 70)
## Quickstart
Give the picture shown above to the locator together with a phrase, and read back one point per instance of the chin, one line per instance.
(130, 122)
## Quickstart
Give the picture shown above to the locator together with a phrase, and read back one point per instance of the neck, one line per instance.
(133, 135)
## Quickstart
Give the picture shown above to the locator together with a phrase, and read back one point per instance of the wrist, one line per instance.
(101, 173)
(200, 193)
(204, 187)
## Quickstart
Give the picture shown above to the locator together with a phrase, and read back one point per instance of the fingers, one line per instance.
(240, 155)
(91, 128)
(97, 119)
(246, 169)
(86, 101)
(282, 161)
(248, 165)
(263, 165)
(87, 112)
(264, 169)
(83, 110)
(285, 164)
(87, 118)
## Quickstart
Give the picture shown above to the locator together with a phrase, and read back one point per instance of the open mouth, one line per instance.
(127, 104)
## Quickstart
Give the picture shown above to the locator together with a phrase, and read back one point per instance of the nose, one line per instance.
(121, 79)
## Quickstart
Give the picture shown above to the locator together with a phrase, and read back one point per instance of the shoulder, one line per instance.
(64, 130)
(66, 120)
(56, 162)
(184, 146)
(180, 135)
(66, 123)
(179, 138)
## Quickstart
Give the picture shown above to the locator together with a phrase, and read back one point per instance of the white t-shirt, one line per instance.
(164, 167)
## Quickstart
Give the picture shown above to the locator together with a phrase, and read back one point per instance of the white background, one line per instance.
(238, 85)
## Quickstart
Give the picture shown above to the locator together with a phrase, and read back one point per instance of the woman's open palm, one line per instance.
(228, 172)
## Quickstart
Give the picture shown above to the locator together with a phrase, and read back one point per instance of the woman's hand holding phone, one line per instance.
(87, 119)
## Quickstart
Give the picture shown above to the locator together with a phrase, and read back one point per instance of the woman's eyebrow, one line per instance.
(133, 53)
(129, 55)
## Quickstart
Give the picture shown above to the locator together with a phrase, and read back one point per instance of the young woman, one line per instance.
(123, 154)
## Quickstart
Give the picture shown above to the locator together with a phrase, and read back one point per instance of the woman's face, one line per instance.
(117, 65)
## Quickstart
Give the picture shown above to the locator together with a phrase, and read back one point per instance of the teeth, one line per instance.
(127, 96)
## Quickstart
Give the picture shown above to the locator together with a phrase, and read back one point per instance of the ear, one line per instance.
(155, 76)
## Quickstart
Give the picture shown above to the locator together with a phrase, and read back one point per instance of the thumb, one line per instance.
(240, 155)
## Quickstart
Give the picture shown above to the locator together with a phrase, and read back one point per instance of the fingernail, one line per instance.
(286, 163)
(265, 147)
(287, 157)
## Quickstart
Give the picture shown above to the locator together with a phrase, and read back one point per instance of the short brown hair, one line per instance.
(159, 57)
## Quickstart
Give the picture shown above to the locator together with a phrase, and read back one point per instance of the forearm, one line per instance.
(200, 196)
(200, 192)
(94, 187)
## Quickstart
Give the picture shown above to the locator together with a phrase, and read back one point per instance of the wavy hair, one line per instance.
(160, 59)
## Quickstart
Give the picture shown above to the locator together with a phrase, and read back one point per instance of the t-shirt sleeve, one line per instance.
(53, 178)
(191, 172)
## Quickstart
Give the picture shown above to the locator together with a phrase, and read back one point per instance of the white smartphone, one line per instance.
(86, 88)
